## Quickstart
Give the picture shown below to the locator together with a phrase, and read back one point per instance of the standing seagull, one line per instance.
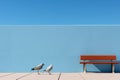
(49, 68)
(38, 67)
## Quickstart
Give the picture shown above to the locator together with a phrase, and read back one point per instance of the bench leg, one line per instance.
(113, 68)
(84, 68)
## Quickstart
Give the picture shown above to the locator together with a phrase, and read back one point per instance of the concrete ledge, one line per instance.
(58, 76)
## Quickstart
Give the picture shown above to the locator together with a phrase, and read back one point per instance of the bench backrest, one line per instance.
(98, 57)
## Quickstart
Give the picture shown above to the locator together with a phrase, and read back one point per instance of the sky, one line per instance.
(59, 12)
(24, 43)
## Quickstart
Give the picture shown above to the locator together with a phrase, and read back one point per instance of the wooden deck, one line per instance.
(58, 76)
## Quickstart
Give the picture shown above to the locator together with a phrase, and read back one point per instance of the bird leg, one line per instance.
(38, 72)
(49, 73)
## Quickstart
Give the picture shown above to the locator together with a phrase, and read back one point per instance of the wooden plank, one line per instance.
(99, 62)
(98, 57)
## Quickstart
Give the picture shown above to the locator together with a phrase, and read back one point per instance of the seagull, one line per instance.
(38, 67)
(49, 68)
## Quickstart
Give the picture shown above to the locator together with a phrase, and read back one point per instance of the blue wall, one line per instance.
(23, 47)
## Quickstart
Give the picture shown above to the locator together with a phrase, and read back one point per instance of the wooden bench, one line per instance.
(98, 59)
